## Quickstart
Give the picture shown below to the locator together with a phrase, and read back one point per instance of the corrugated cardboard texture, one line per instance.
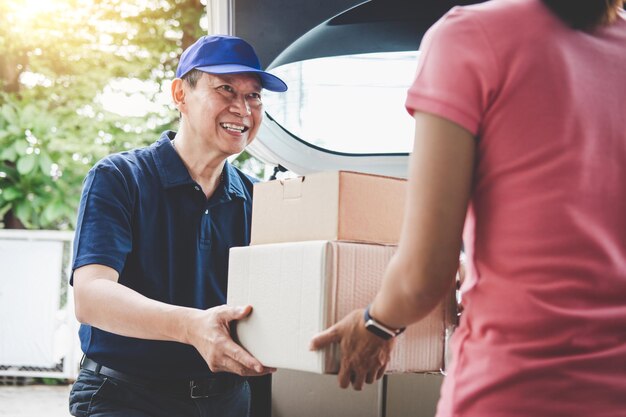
(371, 208)
(328, 206)
(298, 289)
(360, 269)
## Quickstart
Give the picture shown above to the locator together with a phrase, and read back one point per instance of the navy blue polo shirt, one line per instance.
(143, 215)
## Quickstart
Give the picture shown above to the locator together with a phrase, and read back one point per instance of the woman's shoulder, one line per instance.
(498, 17)
(500, 26)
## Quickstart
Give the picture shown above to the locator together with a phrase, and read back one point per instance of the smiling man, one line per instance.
(154, 230)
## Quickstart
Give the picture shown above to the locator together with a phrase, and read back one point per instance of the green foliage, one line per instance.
(52, 381)
(53, 123)
(249, 164)
(32, 184)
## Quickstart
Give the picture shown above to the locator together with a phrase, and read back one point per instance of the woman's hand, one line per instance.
(364, 356)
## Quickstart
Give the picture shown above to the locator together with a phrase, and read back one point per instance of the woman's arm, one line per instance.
(440, 180)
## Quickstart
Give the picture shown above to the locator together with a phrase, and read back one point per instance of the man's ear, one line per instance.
(178, 95)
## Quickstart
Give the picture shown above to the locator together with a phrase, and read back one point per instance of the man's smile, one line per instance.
(235, 127)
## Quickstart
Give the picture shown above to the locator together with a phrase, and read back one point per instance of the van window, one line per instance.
(347, 104)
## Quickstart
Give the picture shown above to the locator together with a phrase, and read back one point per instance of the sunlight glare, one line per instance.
(26, 10)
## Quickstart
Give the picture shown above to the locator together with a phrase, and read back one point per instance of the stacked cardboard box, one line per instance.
(320, 245)
(337, 205)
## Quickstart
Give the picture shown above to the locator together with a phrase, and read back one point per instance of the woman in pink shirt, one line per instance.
(520, 144)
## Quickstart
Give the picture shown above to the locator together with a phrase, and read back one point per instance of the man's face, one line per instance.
(224, 111)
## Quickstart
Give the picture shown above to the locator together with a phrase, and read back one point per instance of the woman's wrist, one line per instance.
(378, 326)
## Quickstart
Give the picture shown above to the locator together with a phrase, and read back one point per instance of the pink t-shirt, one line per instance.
(544, 327)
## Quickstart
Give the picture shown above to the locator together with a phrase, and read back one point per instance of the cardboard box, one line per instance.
(303, 394)
(335, 205)
(298, 289)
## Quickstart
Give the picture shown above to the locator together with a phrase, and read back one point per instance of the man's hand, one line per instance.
(209, 333)
(364, 356)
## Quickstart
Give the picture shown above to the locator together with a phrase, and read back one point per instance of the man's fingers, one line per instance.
(247, 360)
(325, 338)
(230, 313)
(240, 355)
(232, 366)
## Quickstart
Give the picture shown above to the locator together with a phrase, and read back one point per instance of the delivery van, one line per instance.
(348, 65)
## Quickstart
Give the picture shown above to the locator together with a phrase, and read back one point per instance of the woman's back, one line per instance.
(543, 330)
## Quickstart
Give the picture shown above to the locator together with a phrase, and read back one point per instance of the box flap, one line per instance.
(292, 188)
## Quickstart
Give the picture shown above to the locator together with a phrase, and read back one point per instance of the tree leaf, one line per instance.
(23, 211)
(15, 130)
(4, 134)
(11, 193)
(9, 154)
(8, 113)
(53, 211)
(29, 116)
(20, 147)
(45, 163)
(3, 210)
(26, 164)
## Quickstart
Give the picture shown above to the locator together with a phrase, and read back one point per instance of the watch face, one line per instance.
(373, 327)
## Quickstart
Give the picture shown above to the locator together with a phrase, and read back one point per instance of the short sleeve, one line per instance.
(456, 76)
(103, 230)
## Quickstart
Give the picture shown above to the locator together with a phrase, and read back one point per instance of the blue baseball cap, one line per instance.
(221, 54)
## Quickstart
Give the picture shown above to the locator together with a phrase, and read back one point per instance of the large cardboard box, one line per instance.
(334, 205)
(298, 289)
(303, 394)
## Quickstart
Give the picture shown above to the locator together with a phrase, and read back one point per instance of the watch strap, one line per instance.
(378, 328)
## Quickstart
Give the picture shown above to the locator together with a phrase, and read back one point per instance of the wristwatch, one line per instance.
(379, 329)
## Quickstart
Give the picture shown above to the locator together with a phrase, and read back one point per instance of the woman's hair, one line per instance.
(585, 14)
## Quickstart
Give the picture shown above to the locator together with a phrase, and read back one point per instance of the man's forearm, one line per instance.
(115, 308)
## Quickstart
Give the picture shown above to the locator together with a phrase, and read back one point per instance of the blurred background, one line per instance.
(80, 79)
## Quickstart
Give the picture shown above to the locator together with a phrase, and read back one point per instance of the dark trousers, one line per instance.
(97, 395)
(261, 396)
